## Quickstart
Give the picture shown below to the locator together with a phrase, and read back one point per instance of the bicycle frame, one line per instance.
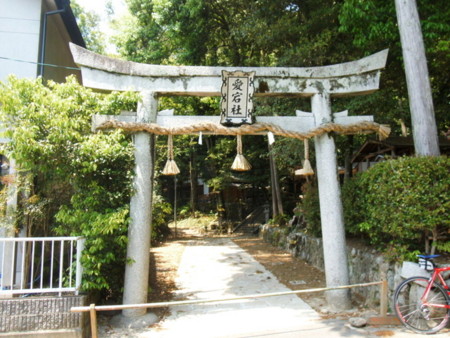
(436, 277)
(421, 303)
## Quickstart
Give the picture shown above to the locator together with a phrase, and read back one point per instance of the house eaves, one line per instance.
(70, 22)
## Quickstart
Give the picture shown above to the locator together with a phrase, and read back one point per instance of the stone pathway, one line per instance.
(215, 268)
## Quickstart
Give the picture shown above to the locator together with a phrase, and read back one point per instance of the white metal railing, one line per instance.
(40, 265)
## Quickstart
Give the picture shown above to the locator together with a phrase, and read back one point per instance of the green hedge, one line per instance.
(399, 205)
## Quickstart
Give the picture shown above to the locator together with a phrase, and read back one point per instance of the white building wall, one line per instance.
(20, 24)
(19, 37)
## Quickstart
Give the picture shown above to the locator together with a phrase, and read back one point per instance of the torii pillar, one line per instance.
(318, 83)
(139, 230)
(331, 213)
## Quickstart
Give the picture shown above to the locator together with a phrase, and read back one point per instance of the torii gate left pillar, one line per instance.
(139, 230)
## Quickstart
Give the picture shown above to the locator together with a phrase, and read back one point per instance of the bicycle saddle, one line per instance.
(428, 256)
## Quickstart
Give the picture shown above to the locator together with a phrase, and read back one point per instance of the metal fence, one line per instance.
(40, 265)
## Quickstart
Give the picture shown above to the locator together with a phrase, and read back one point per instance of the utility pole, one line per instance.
(424, 128)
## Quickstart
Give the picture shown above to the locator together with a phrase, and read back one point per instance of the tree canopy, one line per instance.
(292, 33)
(88, 23)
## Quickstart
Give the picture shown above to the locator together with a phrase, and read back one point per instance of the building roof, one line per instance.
(393, 145)
(70, 22)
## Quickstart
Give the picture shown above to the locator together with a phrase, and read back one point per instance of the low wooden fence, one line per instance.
(92, 309)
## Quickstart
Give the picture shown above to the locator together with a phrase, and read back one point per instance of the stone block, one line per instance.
(36, 314)
(411, 269)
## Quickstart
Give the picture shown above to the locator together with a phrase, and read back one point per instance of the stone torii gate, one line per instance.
(319, 84)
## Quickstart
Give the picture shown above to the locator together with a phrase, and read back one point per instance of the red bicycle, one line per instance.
(423, 303)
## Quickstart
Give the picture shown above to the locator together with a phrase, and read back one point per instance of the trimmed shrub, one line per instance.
(401, 205)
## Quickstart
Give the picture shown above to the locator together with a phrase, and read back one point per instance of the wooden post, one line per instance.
(93, 315)
(276, 195)
(175, 205)
(383, 298)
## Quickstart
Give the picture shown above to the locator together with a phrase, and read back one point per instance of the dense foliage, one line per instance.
(293, 33)
(401, 205)
(231, 32)
(288, 33)
(78, 182)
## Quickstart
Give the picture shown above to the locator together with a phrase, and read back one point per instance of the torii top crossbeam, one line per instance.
(351, 78)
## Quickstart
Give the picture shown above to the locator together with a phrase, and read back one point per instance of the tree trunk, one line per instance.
(277, 188)
(419, 90)
(435, 234)
(348, 158)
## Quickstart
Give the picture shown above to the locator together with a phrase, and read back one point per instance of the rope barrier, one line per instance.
(217, 129)
(93, 308)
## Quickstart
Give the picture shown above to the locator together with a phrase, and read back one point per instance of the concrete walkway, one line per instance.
(215, 268)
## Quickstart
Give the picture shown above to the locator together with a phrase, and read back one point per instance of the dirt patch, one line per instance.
(296, 274)
(293, 272)
(164, 261)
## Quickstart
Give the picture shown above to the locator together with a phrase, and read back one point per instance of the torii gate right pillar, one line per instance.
(331, 212)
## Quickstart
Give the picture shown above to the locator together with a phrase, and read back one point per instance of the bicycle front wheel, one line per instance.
(419, 314)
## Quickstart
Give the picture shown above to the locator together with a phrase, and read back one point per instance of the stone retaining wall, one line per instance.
(42, 314)
(365, 264)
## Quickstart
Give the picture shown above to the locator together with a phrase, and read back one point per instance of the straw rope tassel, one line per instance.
(307, 168)
(240, 163)
(171, 167)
